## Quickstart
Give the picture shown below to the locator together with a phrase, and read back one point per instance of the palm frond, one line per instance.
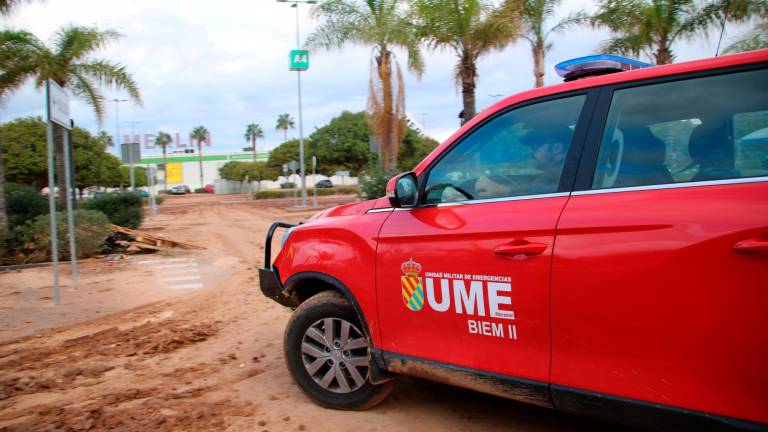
(755, 39)
(82, 87)
(74, 43)
(112, 74)
(21, 54)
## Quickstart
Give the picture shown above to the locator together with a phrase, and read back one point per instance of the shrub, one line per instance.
(268, 194)
(122, 209)
(23, 203)
(90, 232)
(373, 181)
(200, 190)
(287, 185)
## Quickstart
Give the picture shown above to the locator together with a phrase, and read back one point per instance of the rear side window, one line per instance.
(700, 129)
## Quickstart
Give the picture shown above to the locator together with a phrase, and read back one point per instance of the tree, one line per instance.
(105, 138)
(723, 11)
(534, 15)
(254, 171)
(24, 142)
(343, 144)
(17, 50)
(469, 28)
(284, 122)
(252, 133)
(200, 134)
(69, 64)
(756, 39)
(163, 140)
(14, 69)
(384, 25)
(651, 27)
(415, 148)
(287, 152)
(7, 5)
(139, 174)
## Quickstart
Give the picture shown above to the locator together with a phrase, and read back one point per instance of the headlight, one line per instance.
(286, 234)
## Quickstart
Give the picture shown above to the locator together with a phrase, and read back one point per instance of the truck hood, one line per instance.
(351, 209)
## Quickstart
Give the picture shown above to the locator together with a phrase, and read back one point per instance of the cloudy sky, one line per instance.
(223, 64)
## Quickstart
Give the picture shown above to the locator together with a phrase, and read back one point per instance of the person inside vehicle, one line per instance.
(549, 149)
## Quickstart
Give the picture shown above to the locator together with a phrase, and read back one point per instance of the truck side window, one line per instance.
(521, 152)
(699, 129)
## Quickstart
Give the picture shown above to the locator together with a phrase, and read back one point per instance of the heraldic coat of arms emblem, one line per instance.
(411, 285)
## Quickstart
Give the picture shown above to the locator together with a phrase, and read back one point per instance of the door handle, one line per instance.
(751, 245)
(520, 247)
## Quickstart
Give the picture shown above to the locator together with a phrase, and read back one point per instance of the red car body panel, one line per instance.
(686, 311)
(343, 247)
(461, 240)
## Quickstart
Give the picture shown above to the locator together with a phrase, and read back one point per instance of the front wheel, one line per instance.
(328, 354)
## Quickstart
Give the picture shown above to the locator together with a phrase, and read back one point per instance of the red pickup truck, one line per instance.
(598, 246)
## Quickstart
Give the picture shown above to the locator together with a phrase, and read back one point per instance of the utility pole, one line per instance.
(130, 155)
(302, 167)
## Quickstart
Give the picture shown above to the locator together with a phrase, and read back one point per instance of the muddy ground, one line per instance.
(186, 342)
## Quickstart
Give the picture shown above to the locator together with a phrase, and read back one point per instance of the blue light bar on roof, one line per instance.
(599, 64)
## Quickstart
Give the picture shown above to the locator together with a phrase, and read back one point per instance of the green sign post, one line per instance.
(299, 60)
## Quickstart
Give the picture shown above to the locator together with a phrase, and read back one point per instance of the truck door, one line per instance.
(463, 279)
(659, 276)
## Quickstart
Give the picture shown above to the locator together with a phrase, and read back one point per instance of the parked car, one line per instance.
(323, 184)
(648, 309)
(180, 190)
(209, 188)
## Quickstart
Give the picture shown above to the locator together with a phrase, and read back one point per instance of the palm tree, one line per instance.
(469, 28)
(285, 122)
(105, 139)
(534, 15)
(384, 25)
(163, 140)
(651, 27)
(17, 52)
(721, 12)
(200, 134)
(9, 55)
(757, 38)
(252, 133)
(68, 63)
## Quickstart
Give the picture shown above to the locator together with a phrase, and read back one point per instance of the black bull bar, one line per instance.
(269, 280)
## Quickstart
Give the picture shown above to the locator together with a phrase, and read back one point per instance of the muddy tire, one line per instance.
(327, 354)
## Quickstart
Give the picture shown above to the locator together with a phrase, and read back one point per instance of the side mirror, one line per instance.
(403, 190)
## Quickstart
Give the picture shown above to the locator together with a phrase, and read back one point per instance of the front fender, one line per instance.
(340, 251)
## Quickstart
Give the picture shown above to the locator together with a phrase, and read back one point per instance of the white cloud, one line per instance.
(224, 64)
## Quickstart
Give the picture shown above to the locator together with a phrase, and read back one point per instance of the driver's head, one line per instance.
(549, 147)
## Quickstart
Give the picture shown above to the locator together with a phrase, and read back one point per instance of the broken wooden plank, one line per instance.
(154, 241)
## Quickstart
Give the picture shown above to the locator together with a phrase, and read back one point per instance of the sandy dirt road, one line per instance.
(152, 357)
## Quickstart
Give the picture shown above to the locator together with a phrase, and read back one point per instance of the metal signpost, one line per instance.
(314, 181)
(293, 166)
(57, 111)
(134, 147)
(151, 172)
(299, 61)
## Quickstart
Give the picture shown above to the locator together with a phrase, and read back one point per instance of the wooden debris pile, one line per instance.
(144, 241)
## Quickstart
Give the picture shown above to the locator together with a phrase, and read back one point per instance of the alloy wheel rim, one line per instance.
(335, 354)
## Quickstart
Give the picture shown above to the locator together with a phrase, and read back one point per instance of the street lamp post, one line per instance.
(117, 121)
(302, 168)
(130, 156)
